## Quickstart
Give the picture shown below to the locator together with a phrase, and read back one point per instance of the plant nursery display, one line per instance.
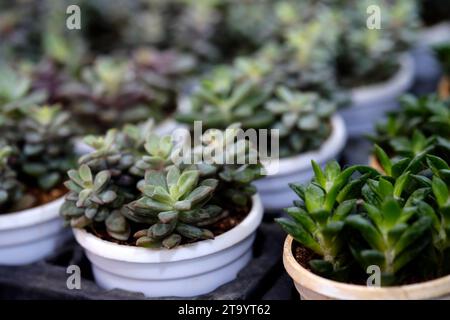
(396, 222)
(130, 201)
(36, 152)
(163, 149)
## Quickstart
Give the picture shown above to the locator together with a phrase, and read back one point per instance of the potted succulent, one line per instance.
(251, 93)
(421, 125)
(372, 236)
(113, 91)
(371, 63)
(37, 150)
(154, 224)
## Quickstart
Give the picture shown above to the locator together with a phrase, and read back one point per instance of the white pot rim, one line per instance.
(436, 34)
(390, 88)
(339, 290)
(32, 216)
(329, 149)
(114, 251)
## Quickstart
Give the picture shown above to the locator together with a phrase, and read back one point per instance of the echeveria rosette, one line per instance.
(174, 203)
(129, 183)
(220, 100)
(95, 199)
(302, 118)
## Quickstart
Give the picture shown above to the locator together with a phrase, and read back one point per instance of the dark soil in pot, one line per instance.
(219, 227)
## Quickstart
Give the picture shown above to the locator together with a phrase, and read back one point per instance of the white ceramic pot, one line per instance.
(370, 103)
(436, 34)
(189, 270)
(274, 189)
(313, 287)
(30, 235)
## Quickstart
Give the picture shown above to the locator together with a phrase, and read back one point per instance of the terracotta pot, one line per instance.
(313, 287)
(373, 162)
(444, 88)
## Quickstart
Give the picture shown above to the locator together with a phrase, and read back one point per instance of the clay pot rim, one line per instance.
(337, 290)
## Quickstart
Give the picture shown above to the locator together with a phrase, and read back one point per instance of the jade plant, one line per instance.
(136, 188)
(419, 124)
(396, 220)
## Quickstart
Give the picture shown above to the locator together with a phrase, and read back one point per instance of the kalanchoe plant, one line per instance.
(419, 124)
(130, 185)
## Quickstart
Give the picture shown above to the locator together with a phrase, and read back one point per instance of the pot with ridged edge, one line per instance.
(30, 235)
(313, 287)
(370, 103)
(186, 271)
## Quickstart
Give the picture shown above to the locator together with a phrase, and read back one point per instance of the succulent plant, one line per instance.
(46, 152)
(396, 220)
(110, 94)
(303, 120)
(393, 233)
(95, 199)
(132, 184)
(11, 190)
(420, 123)
(173, 202)
(220, 101)
(362, 52)
(319, 217)
(15, 91)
